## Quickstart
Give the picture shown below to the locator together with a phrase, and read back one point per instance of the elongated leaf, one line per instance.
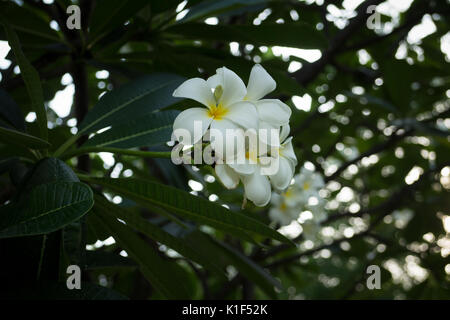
(251, 270)
(162, 274)
(132, 101)
(101, 259)
(50, 170)
(109, 14)
(154, 128)
(31, 79)
(189, 206)
(13, 137)
(26, 21)
(297, 35)
(47, 208)
(7, 164)
(149, 229)
(10, 111)
(212, 8)
(225, 255)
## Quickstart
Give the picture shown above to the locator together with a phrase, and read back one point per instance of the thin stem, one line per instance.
(126, 152)
(65, 145)
(41, 258)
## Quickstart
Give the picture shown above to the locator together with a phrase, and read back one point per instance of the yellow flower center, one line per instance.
(280, 151)
(283, 206)
(217, 112)
(288, 193)
(251, 155)
(306, 185)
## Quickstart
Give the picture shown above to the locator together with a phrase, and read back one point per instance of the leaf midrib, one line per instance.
(131, 136)
(120, 107)
(51, 211)
(162, 204)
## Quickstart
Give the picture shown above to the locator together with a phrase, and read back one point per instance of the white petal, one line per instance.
(227, 139)
(259, 84)
(283, 177)
(214, 80)
(227, 176)
(280, 216)
(287, 151)
(243, 168)
(257, 188)
(268, 134)
(196, 89)
(244, 114)
(190, 125)
(284, 132)
(233, 87)
(276, 199)
(273, 111)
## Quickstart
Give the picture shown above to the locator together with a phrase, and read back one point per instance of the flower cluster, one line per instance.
(302, 195)
(235, 111)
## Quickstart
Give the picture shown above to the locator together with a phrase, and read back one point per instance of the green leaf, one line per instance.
(50, 170)
(110, 14)
(13, 137)
(251, 270)
(132, 101)
(189, 206)
(27, 21)
(164, 276)
(212, 8)
(398, 76)
(298, 35)
(32, 81)
(47, 208)
(225, 255)
(10, 111)
(7, 164)
(135, 221)
(158, 6)
(103, 259)
(152, 129)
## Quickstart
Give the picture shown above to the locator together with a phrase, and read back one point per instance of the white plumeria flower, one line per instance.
(232, 106)
(225, 107)
(309, 183)
(280, 212)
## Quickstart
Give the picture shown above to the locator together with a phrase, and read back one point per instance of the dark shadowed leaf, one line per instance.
(297, 35)
(161, 273)
(13, 137)
(152, 129)
(10, 111)
(47, 208)
(189, 206)
(156, 233)
(32, 81)
(132, 101)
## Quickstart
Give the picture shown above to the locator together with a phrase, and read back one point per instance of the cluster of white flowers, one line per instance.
(232, 106)
(302, 195)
